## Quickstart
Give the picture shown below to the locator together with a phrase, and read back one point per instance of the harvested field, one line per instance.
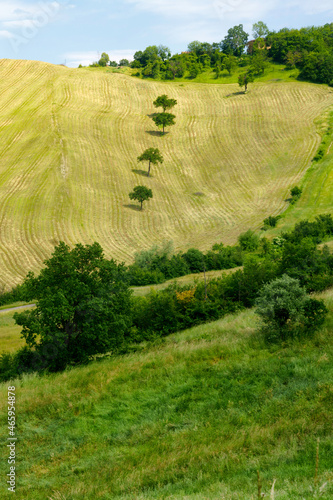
(69, 143)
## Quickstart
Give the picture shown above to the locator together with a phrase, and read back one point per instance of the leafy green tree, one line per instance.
(163, 120)
(83, 306)
(141, 194)
(235, 41)
(249, 241)
(230, 64)
(124, 62)
(104, 59)
(287, 311)
(164, 52)
(152, 156)
(195, 69)
(260, 30)
(259, 62)
(244, 79)
(164, 102)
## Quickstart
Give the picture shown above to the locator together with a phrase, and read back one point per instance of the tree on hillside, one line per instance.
(287, 311)
(124, 62)
(164, 102)
(163, 120)
(141, 194)
(153, 156)
(235, 41)
(260, 30)
(104, 59)
(230, 64)
(244, 79)
(83, 307)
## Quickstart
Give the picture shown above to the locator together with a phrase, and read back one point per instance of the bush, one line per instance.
(272, 221)
(295, 194)
(249, 241)
(287, 311)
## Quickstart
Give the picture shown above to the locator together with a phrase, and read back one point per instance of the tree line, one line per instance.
(308, 49)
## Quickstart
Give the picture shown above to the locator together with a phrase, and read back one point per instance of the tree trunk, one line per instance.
(245, 87)
(141, 205)
(163, 129)
(148, 170)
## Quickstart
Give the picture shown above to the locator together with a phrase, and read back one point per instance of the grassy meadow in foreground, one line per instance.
(192, 417)
(69, 143)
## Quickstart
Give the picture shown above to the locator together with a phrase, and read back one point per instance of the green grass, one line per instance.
(10, 333)
(274, 72)
(69, 141)
(193, 417)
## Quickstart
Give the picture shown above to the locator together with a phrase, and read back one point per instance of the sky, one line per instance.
(76, 32)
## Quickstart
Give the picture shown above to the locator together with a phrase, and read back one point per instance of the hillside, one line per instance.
(69, 143)
(194, 417)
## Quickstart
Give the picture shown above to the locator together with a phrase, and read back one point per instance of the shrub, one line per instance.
(249, 241)
(295, 194)
(272, 221)
(287, 311)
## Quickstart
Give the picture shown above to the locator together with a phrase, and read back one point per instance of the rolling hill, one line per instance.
(69, 139)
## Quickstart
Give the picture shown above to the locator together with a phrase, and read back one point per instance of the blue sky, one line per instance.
(59, 31)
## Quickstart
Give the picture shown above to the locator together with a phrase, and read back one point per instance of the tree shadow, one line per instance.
(198, 193)
(155, 133)
(241, 92)
(137, 208)
(144, 173)
(152, 115)
(288, 200)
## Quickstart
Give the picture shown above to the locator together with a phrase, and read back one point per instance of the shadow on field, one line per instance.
(155, 133)
(133, 207)
(152, 115)
(236, 93)
(144, 173)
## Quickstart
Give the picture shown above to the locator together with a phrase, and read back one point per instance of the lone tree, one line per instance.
(164, 102)
(153, 156)
(163, 120)
(141, 194)
(244, 79)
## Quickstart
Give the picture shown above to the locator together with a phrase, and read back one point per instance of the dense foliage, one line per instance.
(308, 49)
(85, 307)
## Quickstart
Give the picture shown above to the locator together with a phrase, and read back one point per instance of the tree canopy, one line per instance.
(141, 194)
(83, 306)
(164, 102)
(163, 120)
(153, 156)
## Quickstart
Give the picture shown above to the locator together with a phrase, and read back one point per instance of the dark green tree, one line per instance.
(104, 59)
(287, 311)
(152, 156)
(235, 41)
(244, 79)
(230, 64)
(83, 306)
(164, 102)
(141, 194)
(163, 120)
(124, 62)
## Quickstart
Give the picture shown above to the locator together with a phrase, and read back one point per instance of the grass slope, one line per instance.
(68, 149)
(191, 418)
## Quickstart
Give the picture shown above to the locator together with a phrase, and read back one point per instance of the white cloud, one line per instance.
(6, 34)
(85, 58)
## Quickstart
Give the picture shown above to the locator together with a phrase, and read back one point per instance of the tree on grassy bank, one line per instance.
(83, 306)
(164, 102)
(287, 311)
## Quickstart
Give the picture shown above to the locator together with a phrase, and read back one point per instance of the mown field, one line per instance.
(193, 417)
(69, 143)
